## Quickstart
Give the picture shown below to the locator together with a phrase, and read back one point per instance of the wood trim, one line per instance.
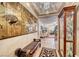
(69, 41)
(74, 33)
(64, 34)
(59, 33)
(60, 14)
(70, 8)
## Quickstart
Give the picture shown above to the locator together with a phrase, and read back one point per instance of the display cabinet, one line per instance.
(67, 31)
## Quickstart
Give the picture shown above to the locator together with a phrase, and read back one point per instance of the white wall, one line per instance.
(8, 46)
(77, 33)
(49, 19)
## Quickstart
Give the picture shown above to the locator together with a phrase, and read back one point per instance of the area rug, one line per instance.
(47, 52)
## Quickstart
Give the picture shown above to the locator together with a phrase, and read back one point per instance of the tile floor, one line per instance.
(48, 42)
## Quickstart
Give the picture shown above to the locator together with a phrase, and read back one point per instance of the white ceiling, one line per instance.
(43, 8)
(48, 8)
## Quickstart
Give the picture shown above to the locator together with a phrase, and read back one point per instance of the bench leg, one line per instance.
(40, 45)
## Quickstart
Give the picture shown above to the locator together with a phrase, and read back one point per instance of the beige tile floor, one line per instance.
(48, 42)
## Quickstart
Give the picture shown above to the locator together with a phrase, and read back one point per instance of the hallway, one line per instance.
(39, 29)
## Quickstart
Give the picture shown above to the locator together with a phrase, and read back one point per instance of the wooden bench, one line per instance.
(28, 50)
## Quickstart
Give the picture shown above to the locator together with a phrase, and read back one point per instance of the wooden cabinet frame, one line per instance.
(64, 12)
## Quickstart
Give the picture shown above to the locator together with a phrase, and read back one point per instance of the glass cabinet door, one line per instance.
(69, 49)
(69, 34)
(69, 26)
(61, 35)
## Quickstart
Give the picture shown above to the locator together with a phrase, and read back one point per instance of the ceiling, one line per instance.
(48, 8)
(45, 8)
